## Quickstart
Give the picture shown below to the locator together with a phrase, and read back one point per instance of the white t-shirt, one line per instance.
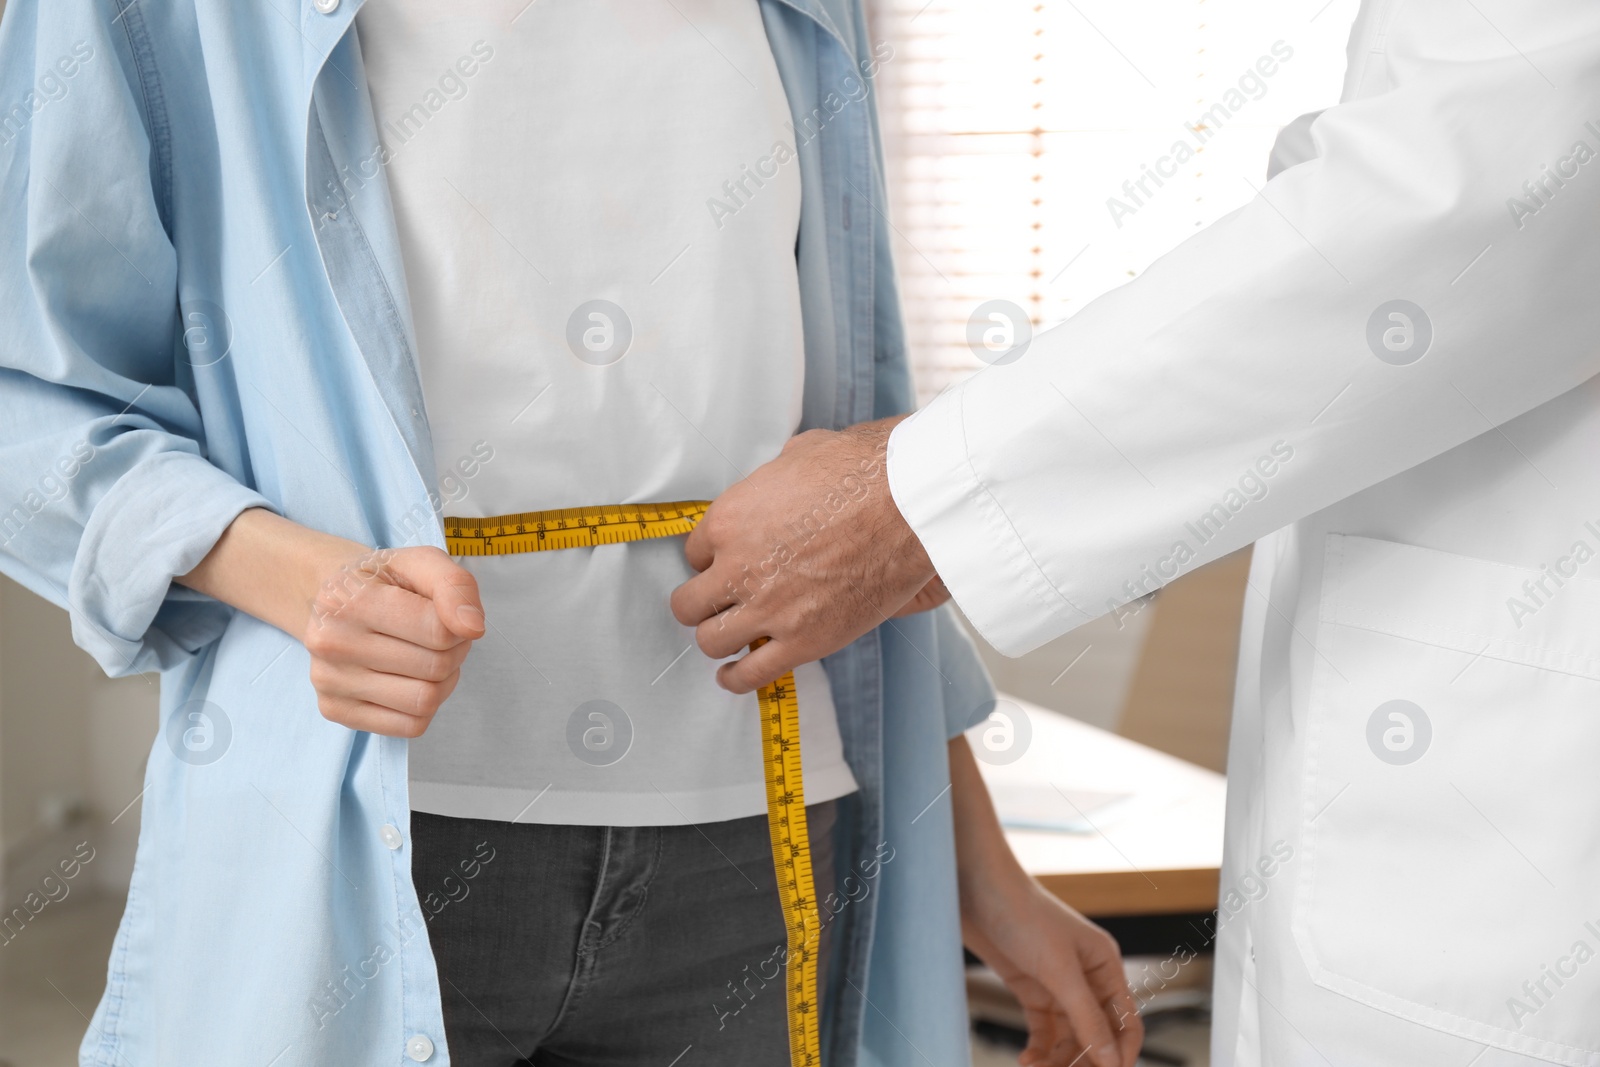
(593, 328)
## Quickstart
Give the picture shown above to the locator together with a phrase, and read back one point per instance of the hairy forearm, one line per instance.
(270, 567)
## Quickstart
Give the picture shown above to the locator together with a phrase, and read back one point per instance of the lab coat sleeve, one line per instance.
(105, 490)
(1233, 389)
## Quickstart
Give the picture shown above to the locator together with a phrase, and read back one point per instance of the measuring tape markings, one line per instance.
(588, 527)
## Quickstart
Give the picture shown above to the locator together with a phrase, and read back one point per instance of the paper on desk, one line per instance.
(1043, 806)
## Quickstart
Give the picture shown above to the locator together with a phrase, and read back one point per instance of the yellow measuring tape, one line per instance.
(543, 531)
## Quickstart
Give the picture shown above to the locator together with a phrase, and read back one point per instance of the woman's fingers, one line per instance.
(390, 655)
(1109, 983)
(450, 587)
(373, 718)
(1089, 1023)
(1045, 1029)
(1129, 1026)
(403, 614)
(416, 697)
(388, 637)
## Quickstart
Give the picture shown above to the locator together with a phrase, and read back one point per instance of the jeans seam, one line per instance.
(582, 959)
(644, 896)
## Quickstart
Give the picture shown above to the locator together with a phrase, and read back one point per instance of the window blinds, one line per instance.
(1040, 154)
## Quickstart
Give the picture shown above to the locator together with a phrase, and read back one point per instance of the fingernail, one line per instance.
(470, 616)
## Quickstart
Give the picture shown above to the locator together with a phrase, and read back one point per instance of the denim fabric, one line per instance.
(598, 946)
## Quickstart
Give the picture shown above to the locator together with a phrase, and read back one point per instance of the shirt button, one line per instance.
(327, 7)
(392, 838)
(419, 1048)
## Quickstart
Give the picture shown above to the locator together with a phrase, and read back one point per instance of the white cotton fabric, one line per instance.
(543, 157)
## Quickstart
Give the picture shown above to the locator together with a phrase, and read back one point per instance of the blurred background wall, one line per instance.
(73, 745)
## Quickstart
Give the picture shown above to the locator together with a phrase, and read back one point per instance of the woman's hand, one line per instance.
(387, 629)
(387, 635)
(1065, 971)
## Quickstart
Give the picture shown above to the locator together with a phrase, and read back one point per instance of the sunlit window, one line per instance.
(1043, 153)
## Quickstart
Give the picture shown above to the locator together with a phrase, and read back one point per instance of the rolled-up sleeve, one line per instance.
(106, 492)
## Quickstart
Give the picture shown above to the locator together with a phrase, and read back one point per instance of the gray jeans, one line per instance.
(623, 946)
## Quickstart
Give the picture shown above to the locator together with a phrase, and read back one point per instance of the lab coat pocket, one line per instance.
(1451, 823)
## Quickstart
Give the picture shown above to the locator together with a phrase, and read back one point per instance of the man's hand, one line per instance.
(809, 551)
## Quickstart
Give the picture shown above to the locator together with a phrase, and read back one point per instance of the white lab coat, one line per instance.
(1435, 520)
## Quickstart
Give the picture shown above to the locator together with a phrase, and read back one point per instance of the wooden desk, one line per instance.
(1159, 854)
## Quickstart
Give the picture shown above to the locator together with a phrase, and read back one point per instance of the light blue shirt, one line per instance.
(202, 310)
